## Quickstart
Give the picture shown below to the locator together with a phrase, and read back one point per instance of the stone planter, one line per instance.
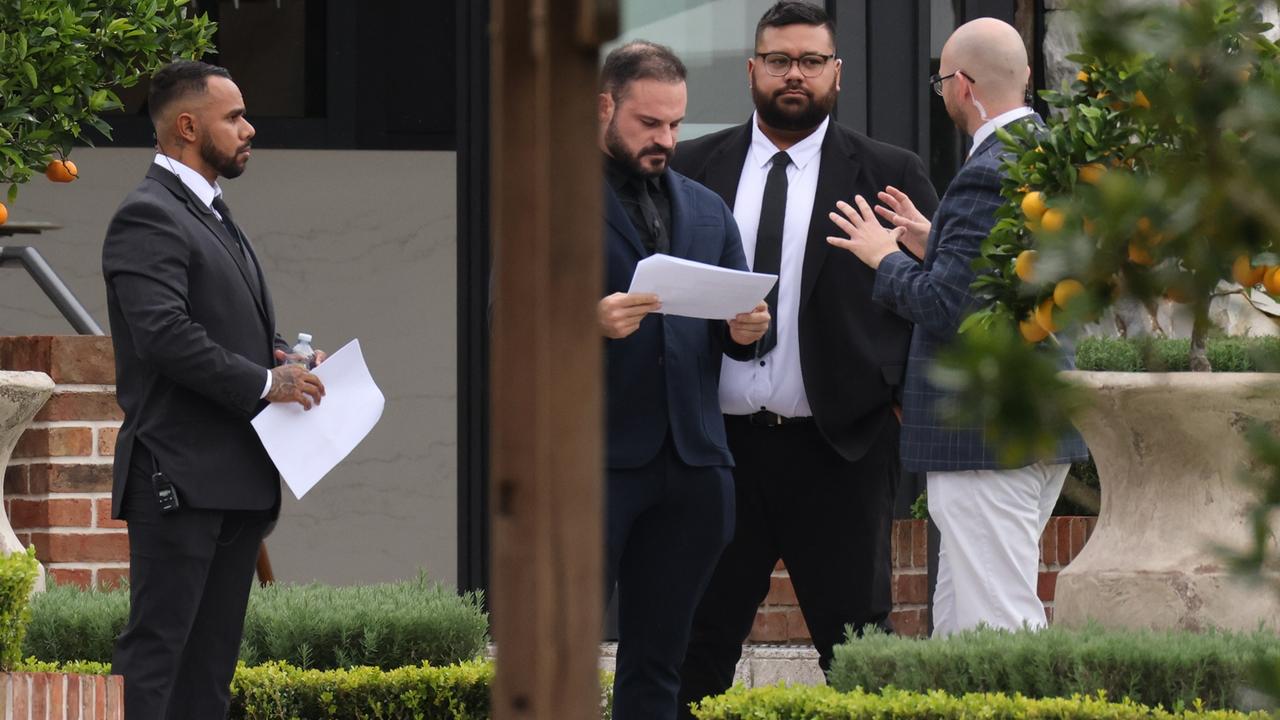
(22, 394)
(1169, 449)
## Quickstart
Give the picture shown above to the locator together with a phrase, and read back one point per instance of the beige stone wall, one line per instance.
(354, 244)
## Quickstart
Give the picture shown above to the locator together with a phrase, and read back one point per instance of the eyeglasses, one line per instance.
(778, 64)
(935, 81)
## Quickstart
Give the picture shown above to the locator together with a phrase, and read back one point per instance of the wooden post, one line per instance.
(547, 470)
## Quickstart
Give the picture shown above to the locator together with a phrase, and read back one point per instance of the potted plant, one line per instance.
(1157, 177)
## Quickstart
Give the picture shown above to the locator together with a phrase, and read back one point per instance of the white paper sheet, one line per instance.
(698, 290)
(306, 444)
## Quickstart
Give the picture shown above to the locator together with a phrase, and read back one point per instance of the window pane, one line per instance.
(714, 38)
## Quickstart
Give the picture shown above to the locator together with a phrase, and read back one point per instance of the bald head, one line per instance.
(990, 52)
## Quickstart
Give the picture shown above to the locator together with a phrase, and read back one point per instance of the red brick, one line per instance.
(15, 480)
(51, 513)
(107, 441)
(79, 577)
(115, 698)
(1078, 536)
(39, 695)
(919, 543)
(100, 698)
(1090, 524)
(797, 629)
(86, 698)
(111, 578)
(57, 688)
(897, 552)
(60, 477)
(103, 513)
(21, 699)
(73, 697)
(1046, 585)
(1049, 545)
(80, 359)
(780, 591)
(910, 588)
(55, 442)
(81, 547)
(71, 405)
(1064, 540)
(1048, 612)
(770, 626)
(909, 623)
(24, 538)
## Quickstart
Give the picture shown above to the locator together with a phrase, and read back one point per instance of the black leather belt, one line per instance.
(764, 418)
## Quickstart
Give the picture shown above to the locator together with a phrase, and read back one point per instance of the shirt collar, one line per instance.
(998, 121)
(802, 153)
(620, 175)
(192, 179)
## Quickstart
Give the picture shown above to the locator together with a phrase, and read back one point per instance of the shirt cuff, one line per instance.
(266, 390)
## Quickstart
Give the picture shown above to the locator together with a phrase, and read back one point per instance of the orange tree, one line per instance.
(62, 60)
(1157, 177)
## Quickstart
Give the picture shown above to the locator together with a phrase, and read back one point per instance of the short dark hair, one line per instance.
(639, 60)
(795, 12)
(177, 80)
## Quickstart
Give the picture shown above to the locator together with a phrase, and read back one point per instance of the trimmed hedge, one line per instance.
(18, 573)
(1229, 354)
(1173, 669)
(279, 691)
(310, 626)
(826, 703)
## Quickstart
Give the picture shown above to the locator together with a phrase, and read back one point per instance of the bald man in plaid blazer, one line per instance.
(990, 517)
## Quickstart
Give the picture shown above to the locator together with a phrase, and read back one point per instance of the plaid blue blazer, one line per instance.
(935, 296)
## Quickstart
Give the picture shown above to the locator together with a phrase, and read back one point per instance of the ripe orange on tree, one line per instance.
(63, 171)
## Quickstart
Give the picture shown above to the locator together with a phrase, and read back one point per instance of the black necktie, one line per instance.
(649, 209)
(221, 206)
(773, 212)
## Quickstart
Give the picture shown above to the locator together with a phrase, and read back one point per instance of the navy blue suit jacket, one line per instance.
(935, 296)
(665, 377)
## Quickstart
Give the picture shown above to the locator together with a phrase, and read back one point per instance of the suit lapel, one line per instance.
(681, 234)
(836, 175)
(724, 167)
(215, 226)
(616, 215)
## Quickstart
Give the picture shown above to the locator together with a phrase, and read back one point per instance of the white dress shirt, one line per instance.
(206, 193)
(773, 382)
(998, 121)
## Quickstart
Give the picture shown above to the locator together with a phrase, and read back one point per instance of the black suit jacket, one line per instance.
(852, 351)
(665, 377)
(192, 345)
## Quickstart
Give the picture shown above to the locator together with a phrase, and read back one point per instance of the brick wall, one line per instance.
(55, 696)
(779, 620)
(57, 487)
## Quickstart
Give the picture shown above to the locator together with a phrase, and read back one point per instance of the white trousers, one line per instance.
(989, 559)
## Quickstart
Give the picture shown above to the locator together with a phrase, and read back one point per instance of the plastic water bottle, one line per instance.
(302, 353)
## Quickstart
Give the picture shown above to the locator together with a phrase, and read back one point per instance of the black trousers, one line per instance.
(828, 519)
(666, 524)
(190, 572)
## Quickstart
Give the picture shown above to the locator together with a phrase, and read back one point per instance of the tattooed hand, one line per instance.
(293, 383)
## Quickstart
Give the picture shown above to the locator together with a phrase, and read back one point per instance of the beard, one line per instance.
(788, 114)
(228, 165)
(617, 148)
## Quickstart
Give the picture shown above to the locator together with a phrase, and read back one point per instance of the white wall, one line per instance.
(354, 244)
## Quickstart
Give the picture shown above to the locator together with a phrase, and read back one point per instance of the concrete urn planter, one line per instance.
(22, 394)
(1169, 449)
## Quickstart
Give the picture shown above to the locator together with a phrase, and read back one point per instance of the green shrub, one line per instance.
(311, 626)
(1173, 669)
(18, 573)
(1228, 354)
(826, 703)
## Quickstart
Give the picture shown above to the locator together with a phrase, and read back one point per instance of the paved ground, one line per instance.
(760, 664)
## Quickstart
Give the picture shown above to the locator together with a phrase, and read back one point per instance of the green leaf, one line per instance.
(30, 71)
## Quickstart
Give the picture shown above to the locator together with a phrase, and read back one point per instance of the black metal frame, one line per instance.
(473, 294)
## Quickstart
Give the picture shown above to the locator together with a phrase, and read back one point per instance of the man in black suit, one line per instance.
(810, 416)
(669, 496)
(196, 357)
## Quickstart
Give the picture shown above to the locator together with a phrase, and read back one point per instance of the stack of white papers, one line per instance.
(306, 444)
(698, 290)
